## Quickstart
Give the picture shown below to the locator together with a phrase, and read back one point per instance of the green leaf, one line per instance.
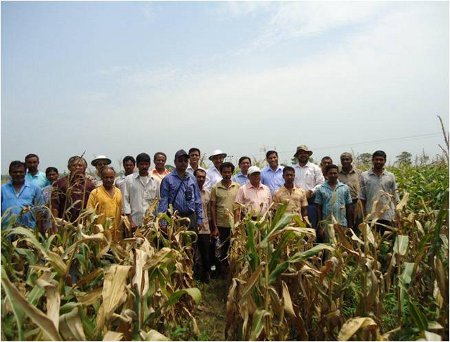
(299, 256)
(401, 244)
(258, 324)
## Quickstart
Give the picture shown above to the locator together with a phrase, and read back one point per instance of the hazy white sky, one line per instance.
(121, 78)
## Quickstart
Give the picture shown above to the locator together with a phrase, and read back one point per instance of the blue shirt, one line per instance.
(39, 179)
(334, 201)
(273, 179)
(29, 196)
(182, 193)
(240, 178)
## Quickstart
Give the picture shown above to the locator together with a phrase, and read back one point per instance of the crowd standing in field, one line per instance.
(213, 200)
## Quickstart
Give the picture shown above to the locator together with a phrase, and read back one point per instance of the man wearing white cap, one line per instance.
(213, 173)
(99, 161)
(254, 195)
(309, 177)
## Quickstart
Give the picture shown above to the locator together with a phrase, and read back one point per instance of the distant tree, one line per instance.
(364, 159)
(404, 158)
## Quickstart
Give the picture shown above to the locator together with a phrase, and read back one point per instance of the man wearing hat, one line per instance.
(309, 177)
(213, 173)
(180, 189)
(98, 162)
(254, 195)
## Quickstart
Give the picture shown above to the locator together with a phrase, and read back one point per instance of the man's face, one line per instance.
(201, 178)
(346, 162)
(100, 164)
(332, 175)
(226, 173)
(128, 167)
(32, 164)
(255, 178)
(244, 165)
(160, 161)
(325, 162)
(289, 177)
(108, 177)
(78, 167)
(217, 161)
(378, 162)
(272, 159)
(52, 176)
(143, 167)
(302, 156)
(181, 163)
(194, 157)
(17, 174)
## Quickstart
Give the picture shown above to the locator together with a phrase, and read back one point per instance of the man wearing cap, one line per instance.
(180, 189)
(309, 177)
(141, 189)
(99, 161)
(213, 172)
(272, 174)
(254, 196)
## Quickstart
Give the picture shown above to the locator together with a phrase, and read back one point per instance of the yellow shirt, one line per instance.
(295, 200)
(158, 175)
(224, 198)
(106, 206)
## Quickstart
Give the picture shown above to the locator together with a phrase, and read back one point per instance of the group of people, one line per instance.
(213, 199)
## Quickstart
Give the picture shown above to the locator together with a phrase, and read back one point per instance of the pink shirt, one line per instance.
(257, 199)
(159, 176)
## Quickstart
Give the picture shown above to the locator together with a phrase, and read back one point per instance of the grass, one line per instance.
(210, 314)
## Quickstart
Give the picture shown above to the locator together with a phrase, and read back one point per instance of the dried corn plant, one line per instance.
(284, 287)
(86, 284)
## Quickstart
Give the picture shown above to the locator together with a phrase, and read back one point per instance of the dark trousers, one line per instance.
(202, 261)
(312, 212)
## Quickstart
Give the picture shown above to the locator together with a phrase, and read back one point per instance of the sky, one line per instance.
(121, 78)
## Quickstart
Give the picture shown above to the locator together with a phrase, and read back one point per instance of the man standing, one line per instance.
(324, 163)
(19, 199)
(294, 197)
(272, 175)
(129, 164)
(333, 198)
(140, 190)
(213, 172)
(70, 193)
(352, 177)
(33, 175)
(160, 171)
(254, 196)
(309, 177)
(204, 235)
(241, 177)
(99, 162)
(106, 201)
(51, 173)
(379, 192)
(180, 189)
(223, 196)
(194, 157)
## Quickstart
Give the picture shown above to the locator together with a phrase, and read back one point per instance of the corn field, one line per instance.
(84, 283)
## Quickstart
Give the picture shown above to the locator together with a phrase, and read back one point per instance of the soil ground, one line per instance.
(210, 315)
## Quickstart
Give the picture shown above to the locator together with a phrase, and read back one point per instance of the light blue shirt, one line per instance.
(39, 179)
(240, 178)
(334, 201)
(29, 196)
(273, 179)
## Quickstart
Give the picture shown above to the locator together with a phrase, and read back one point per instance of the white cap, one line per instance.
(217, 153)
(100, 157)
(253, 169)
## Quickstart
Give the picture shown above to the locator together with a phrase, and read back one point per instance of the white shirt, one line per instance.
(308, 177)
(213, 177)
(138, 195)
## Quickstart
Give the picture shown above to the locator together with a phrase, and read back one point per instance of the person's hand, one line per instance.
(309, 193)
(214, 232)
